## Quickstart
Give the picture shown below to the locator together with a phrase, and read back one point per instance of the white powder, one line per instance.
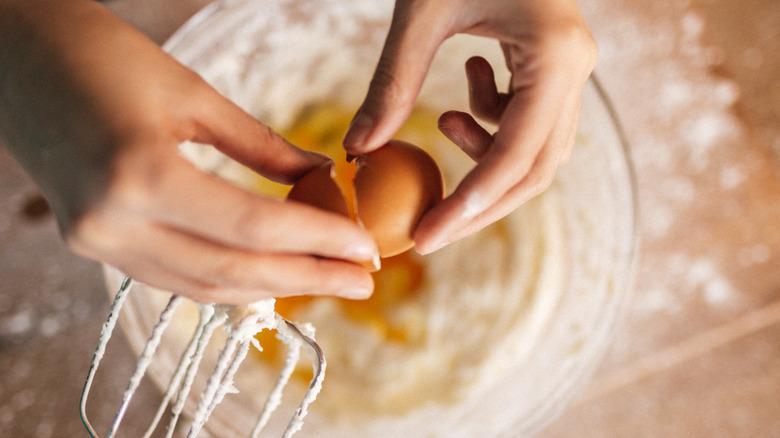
(690, 150)
(18, 323)
(731, 177)
(754, 255)
(704, 275)
(51, 325)
(537, 292)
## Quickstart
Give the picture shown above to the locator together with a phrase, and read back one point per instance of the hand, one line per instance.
(550, 54)
(95, 112)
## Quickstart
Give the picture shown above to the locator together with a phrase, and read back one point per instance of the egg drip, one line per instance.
(321, 128)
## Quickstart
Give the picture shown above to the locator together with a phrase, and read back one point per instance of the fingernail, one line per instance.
(319, 157)
(358, 131)
(357, 293)
(433, 247)
(473, 206)
(361, 252)
(372, 265)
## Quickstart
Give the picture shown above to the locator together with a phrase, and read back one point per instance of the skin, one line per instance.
(94, 111)
(550, 54)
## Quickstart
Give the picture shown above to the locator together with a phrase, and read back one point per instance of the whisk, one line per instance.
(241, 324)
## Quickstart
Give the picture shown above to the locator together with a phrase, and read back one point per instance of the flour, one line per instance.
(754, 255)
(19, 323)
(514, 316)
(688, 146)
(704, 275)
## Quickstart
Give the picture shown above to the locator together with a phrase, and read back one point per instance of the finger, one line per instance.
(530, 118)
(201, 269)
(248, 141)
(561, 138)
(466, 133)
(160, 277)
(131, 253)
(535, 182)
(414, 36)
(485, 100)
(574, 120)
(530, 123)
(217, 210)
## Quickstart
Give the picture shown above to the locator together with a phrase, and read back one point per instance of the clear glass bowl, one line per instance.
(508, 324)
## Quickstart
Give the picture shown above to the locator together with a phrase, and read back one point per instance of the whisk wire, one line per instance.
(186, 369)
(105, 335)
(242, 324)
(144, 360)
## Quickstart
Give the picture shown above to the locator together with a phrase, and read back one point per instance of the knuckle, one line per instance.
(138, 176)
(589, 49)
(489, 111)
(90, 234)
(95, 224)
(276, 158)
(324, 278)
(129, 192)
(250, 228)
(539, 181)
(191, 87)
(577, 39)
(232, 272)
(388, 88)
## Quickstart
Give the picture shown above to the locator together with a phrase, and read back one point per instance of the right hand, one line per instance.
(549, 52)
(95, 111)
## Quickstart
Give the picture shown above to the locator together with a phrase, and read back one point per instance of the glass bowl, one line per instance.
(502, 329)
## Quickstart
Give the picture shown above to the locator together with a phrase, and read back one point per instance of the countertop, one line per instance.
(697, 85)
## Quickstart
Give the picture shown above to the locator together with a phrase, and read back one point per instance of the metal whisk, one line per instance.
(241, 324)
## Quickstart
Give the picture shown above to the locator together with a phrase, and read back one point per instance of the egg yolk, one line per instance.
(402, 276)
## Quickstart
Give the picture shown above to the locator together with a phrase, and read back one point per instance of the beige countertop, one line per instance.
(697, 85)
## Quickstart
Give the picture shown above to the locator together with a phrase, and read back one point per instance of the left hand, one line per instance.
(550, 54)
(95, 112)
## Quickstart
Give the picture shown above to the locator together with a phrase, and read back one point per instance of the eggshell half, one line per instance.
(319, 189)
(393, 187)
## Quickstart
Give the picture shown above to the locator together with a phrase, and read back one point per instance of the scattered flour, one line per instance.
(705, 277)
(683, 132)
(19, 323)
(731, 177)
(754, 255)
(688, 279)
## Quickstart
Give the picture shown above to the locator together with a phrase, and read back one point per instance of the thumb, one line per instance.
(416, 31)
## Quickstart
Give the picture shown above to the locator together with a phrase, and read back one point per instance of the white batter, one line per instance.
(507, 322)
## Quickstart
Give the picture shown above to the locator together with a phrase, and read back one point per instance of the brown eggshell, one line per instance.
(394, 186)
(317, 188)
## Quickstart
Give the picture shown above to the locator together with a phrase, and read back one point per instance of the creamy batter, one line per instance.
(439, 329)
(423, 338)
(491, 334)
